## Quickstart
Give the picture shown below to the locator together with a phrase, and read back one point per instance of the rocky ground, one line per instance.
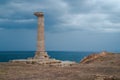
(104, 66)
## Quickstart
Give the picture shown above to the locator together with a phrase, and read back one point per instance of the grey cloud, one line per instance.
(95, 15)
(22, 10)
(65, 15)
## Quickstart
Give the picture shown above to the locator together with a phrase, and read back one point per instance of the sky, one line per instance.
(70, 25)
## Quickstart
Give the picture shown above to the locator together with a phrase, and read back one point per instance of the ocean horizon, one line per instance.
(76, 56)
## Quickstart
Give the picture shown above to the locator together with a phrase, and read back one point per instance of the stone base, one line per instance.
(37, 61)
(41, 55)
(42, 58)
(47, 62)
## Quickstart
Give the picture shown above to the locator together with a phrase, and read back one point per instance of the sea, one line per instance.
(6, 56)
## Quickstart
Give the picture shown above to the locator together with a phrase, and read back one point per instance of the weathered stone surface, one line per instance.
(67, 63)
(104, 77)
(48, 62)
(93, 57)
(40, 53)
(37, 61)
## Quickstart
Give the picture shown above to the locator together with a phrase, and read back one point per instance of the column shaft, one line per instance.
(40, 53)
(40, 36)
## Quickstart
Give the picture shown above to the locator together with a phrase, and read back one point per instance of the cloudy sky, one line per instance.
(70, 25)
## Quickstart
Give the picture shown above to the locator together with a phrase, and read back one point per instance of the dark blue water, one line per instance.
(5, 56)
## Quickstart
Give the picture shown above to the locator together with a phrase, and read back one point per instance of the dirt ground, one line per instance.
(105, 66)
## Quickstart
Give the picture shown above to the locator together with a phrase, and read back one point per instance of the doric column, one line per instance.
(40, 36)
(40, 53)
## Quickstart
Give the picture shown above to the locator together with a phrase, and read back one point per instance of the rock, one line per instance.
(67, 63)
(93, 57)
(104, 77)
(49, 62)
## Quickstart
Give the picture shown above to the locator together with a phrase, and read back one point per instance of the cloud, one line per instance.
(89, 22)
(94, 15)
(18, 20)
(65, 15)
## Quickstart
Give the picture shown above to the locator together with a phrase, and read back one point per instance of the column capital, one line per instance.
(39, 14)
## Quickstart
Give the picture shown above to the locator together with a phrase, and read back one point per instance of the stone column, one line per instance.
(40, 53)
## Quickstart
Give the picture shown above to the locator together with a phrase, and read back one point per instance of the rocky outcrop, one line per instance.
(94, 57)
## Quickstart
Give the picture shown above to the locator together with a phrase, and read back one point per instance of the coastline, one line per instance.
(107, 66)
